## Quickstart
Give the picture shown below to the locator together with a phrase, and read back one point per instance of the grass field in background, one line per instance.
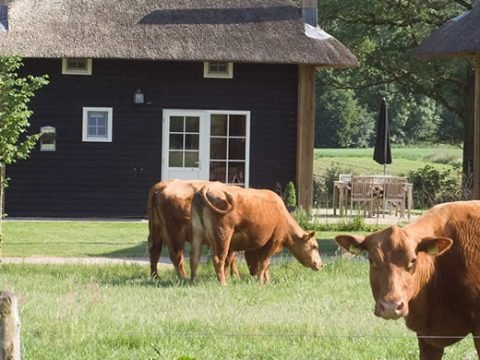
(118, 312)
(360, 161)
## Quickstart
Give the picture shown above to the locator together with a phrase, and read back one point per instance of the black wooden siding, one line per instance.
(104, 179)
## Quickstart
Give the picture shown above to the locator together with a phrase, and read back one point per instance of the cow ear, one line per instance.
(352, 243)
(434, 245)
(307, 235)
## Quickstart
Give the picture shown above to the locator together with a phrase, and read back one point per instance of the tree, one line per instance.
(383, 35)
(341, 121)
(15, 94)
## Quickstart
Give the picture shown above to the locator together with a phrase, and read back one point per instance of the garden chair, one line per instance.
(395, 194)
(362, 194)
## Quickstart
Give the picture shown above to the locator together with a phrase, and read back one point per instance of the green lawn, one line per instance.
(74, 238)
(83, 239)
(360, 161)
(118, 312)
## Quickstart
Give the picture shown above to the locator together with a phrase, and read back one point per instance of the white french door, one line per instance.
(183, 146)
(206, 145)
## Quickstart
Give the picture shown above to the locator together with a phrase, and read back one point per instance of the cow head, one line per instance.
(305, 249)
(400, 263)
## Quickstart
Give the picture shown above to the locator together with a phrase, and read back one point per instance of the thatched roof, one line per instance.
(459, 36)
(266, 31)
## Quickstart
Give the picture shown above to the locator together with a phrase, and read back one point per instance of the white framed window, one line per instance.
(218, 69)
(97, 124)
(76, 66)
(229, 147)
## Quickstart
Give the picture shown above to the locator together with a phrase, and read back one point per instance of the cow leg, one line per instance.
(429, 352)
(195, 255)
(231, 265)
(154, 250)
(220, 252)
(177, 258)
(262, 260)
(252, 262)
(263, 274)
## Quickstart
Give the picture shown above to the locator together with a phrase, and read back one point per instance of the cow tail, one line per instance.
(206, 200)
(154, 223)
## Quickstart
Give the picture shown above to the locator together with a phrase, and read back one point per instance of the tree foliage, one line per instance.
(342, 121)
(425, 96)
(15, 94)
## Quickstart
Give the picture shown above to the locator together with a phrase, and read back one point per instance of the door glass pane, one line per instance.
(236, 171)
(176, 141)
(176, 123)
(192, 124)
(218, 171)
(218, 125)
(191, 142)
(237, 125)
(218, 148)
(191, 159)
(236, 149)
(175, 159)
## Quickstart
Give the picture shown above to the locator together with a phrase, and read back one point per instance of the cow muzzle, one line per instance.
(391, 309)
(317, 265)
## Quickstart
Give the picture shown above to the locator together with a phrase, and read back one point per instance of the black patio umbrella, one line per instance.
(382, 153)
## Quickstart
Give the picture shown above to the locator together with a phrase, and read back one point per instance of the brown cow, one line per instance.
(169, 209)
(233, 219)
(428, 272)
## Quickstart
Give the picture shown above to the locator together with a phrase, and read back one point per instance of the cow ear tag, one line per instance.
(432, 250)
(354, 249)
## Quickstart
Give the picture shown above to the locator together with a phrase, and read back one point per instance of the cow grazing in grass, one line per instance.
(257, 221)
(169, 213)
(428, 272)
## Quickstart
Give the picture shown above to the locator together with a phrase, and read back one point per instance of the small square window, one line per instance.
(76, 66)
(218, 69)
(97, 125)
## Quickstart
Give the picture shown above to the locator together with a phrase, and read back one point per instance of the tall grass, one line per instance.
(118, 312)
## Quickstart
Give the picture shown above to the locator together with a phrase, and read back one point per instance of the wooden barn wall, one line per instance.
(112, 179)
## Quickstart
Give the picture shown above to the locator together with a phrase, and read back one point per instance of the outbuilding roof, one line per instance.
(259, 31)
(459, 36)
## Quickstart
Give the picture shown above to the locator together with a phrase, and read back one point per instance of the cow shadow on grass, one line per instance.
(130, 266)
(139, 276)
(139, 251)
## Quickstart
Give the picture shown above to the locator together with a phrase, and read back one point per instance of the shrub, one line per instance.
(323, 185)
(290, 196)
(431, 186)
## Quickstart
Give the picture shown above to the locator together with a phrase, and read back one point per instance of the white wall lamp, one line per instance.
(138, 97)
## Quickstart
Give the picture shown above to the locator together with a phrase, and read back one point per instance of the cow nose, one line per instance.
(317, 265)
(392, 309)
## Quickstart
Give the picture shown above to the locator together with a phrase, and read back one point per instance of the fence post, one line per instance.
(9, 327)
